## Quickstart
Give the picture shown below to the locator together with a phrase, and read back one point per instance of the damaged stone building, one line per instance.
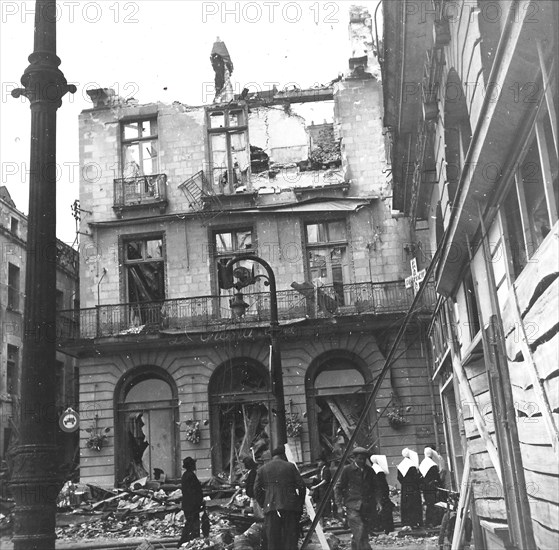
(13, 247)
(175, 362)
(470, 90)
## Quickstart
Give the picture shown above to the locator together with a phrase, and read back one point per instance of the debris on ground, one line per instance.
(151, 511)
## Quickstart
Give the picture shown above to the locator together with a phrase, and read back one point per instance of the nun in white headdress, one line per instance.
(380, 467)
(411, 510)
(430, 472)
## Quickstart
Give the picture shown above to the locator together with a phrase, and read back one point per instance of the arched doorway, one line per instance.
(147, 424)
(337, 386)
(241, 417)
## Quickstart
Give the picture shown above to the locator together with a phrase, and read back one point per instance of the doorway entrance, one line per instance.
(337, 390)
(147, 416)
(241, 414)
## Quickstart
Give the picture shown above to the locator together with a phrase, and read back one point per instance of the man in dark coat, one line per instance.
(280, 490)
(192, 501)
(357, 493)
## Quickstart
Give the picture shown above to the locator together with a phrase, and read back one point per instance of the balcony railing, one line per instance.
(210, 313)
(140, 191)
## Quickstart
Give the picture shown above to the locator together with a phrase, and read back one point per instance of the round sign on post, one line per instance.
(69, 421)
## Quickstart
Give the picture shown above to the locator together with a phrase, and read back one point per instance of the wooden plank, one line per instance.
(545, 513)
(542, 486)
(544, 262)
(339, 416)
(546, 357)
(486, 484)
(543, 313)
(547, 171)
(540, 396)
(481, 461)
(546, 537)
(532, 430)
(539, 459)
(551, 388)
(491, 509)
(518, 374)
(479, 384)
(461, 510)
(308, 503)
(549, 100)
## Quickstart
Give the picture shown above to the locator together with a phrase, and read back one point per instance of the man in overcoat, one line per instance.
(280, 490)
(192, 501)
(356, 491)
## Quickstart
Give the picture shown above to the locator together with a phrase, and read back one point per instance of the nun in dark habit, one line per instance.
(411, 509)
(380, 467)
(429, 469)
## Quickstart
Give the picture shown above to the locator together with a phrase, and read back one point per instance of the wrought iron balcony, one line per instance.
(139, 191)
(213, 313)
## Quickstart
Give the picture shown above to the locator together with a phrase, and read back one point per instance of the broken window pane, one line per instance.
(150, 128)
(244, 239)
(134, 250)
(224, 242)
(312, 232)
(131, 130)
(337, 231)
(217, 120)
(236, 118)
(154, 248)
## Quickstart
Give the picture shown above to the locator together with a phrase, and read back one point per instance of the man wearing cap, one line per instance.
(280, 491)
(192, 501)
(357, 492)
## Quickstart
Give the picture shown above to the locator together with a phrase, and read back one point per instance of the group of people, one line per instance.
(278, 492)
(416, 480)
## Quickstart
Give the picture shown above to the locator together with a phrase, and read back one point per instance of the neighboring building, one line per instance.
(13, 236)
(470, 92)
(172, 192)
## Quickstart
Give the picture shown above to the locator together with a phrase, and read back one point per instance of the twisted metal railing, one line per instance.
(214, 313)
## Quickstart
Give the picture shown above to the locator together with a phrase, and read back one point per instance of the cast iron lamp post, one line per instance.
(36, 480)
(238, 306)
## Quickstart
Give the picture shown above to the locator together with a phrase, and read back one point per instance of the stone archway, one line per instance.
(337, 386)
(146, 435)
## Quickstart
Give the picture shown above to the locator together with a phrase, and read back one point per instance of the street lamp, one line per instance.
(35, 479)
(246, 277)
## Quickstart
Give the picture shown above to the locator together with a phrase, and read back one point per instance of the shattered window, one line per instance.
(326, 232)
(240, 407)
(140, 150)
(328, 263)
(229, 151)
(145, 278)
(231, 241)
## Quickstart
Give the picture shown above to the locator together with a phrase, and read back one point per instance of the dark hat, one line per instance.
(188, 463)
(359, 451)
(279, 451)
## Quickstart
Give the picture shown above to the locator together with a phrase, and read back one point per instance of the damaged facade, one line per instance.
(471, 103)
(175, 192)
(13, 244)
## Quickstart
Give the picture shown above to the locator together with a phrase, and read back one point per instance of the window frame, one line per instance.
(144, 237)
(548, 160)
(14, 287)
(227, 130)
(12, 367)
(124, 142)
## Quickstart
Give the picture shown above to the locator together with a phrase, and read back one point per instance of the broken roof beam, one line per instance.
(273, 97)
